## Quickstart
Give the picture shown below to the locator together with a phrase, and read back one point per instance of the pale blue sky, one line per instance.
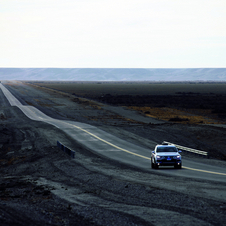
(113, 34)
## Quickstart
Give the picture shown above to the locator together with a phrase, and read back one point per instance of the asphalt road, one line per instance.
(113, 147)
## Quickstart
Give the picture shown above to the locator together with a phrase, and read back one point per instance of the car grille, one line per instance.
(168, 159)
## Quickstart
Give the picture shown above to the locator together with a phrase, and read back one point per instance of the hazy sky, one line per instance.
(113, 33)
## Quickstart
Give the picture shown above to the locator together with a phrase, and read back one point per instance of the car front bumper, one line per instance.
(169, 163)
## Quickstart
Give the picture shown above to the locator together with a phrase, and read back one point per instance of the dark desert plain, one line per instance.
(42, 185)
(191, 102)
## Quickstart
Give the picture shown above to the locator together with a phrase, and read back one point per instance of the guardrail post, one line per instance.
(66, 149)
(73, 154)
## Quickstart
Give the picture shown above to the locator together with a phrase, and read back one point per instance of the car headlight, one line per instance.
(178, 157)
(160, 157)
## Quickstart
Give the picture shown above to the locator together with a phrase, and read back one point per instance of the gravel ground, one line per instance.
(41, 185)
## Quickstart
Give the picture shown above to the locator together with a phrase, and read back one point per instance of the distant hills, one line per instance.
(114, 74)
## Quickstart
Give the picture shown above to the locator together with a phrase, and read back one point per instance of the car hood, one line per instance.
(167, 153)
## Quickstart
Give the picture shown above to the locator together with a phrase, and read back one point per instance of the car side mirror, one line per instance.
(179, 151)
(153, 152)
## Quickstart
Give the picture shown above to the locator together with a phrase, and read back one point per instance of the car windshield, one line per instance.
(166, 149)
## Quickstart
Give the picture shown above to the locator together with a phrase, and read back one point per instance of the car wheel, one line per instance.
(156, 166)
(152, 164)
(177, 166)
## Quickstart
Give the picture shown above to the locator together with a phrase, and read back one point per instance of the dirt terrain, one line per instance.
(41, 185)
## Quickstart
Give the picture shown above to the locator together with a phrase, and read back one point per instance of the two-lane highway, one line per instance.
(113, 147)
